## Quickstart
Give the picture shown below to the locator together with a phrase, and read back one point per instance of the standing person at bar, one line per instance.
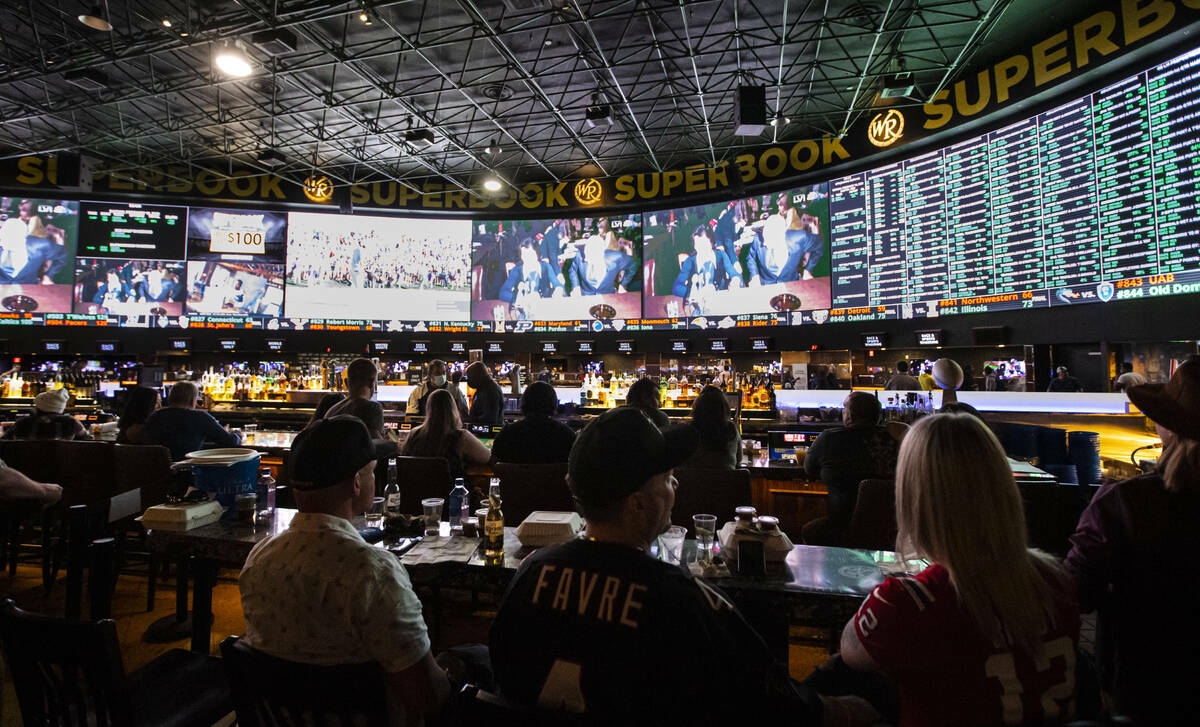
(142, 402)
(1132, 554)
(361, 379)
(844, 456)
(598, 627)
(47, 420)
(435, 380)
(442, 435)
(902, 381)
(1128, 378)
(986, 635)
(487, 406)
(538, 438)
(182, 428)
(316, 593)
(925, 379)
(1064, 381)
(720, 444)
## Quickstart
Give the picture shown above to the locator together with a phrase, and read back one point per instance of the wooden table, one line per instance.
(827, 583)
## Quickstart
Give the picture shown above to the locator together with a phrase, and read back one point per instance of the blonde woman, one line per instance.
(1133, 556)
(986, 635)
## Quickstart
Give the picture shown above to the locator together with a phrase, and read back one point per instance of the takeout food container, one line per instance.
(776, 544)
(545, 527)
(181, 517)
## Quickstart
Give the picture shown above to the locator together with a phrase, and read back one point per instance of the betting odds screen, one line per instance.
(1092, 201)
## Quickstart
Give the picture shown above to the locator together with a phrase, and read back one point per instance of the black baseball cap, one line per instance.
(332, 450)
(619, 450)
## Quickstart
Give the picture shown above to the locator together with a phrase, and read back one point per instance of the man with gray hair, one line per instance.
(181, 427)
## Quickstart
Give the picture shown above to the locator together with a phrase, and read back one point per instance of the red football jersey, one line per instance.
(948, 673)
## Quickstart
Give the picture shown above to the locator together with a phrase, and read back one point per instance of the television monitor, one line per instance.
(458, 347)
(626, 346)
(718, 345)
(236, 262)
(133, 288)
(42, 233)
(755, 255)
(584, 268)
(680, 345)
(762, 343)
(369, 267)
(132, 230)
(929, 338)
(874, 340)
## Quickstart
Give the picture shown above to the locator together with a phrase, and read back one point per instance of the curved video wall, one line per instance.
(1092, 201)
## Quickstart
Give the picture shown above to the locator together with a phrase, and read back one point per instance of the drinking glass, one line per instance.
(250, 433)
(706, 529)
(671, 544)
(374, 515)
(432, 507)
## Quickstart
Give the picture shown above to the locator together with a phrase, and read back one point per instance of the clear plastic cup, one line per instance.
(374, 515)
(432, 507)
(671, 544)
(706, 533)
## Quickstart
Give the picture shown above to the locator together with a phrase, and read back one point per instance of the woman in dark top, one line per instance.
(643, 394)
(538, 438)
(1132, 556)
(442, 435)
(720, 443)
(142, 402)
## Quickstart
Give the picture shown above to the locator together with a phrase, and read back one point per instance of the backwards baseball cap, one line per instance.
(619, 450)
(332, 450)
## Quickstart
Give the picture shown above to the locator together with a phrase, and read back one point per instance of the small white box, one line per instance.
(544, 527)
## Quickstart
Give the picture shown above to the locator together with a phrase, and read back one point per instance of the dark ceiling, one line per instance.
(518, 72)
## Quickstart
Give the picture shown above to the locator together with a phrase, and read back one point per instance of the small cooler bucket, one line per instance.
(225, 473)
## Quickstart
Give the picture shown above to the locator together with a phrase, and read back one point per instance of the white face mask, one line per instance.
(438, 380)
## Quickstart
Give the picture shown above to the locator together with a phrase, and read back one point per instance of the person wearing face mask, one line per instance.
(435, 380)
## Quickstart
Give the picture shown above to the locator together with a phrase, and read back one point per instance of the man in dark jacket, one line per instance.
(487, 406)
(538, 438)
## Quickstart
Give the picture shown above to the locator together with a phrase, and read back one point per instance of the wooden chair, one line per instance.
(528, 487)
(70, 673)
(1042, 520)
(873, 522)
(145, 467)
(711, 491)
(85, 471)
(268, 691)
(421, 477)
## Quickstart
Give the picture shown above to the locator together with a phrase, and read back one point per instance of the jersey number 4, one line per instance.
(1003, 668)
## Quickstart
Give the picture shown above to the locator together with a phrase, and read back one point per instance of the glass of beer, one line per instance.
(706, 530)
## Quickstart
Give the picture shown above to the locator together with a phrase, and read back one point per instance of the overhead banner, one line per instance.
(1062, 55)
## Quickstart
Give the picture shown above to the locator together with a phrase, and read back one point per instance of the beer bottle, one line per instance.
(391, 497)
(493, 529)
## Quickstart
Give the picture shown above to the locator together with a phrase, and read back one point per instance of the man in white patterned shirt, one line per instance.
(317, 593)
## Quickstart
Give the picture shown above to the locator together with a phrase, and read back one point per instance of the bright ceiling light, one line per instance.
(492, 184)
(96, 19)
(166, 22)
(232, 62)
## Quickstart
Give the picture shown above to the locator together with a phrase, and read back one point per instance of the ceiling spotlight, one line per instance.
(598, 114)
(166, 22)
(96, 19)
(365, 18)
(780, 120)
(494, 148)
(492, 184)
(232, 62)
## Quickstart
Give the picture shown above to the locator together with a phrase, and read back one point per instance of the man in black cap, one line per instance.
(598, 626)
(317, 593)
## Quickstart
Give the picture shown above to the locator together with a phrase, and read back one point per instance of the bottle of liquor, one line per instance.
(493, 528)
(460, 506)
(391, 497)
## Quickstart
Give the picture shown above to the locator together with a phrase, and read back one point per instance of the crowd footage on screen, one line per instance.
(369, 259)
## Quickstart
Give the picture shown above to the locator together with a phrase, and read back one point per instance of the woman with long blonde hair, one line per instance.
(985, 635)
(1133, 556)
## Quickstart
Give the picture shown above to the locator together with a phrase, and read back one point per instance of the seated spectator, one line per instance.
(644, 394)
(142, 402)
(442, 435)
(720, 443)
(316, 593)
(47, 421)
(843, 457)
(326, 403)
(435, 379)
(599, 627)
(1135, 539)
(487, 406)
(361, 379)
(902, 381)
(538, 438)
(17, 490)
(986, 635)
(1064, 381)
(181, 427)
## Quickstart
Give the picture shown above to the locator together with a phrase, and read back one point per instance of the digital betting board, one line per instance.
(1092, 201)
(132, 231)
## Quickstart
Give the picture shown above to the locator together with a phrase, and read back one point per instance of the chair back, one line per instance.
(529, 487)
(85, 471)
(421, 477)
(145, 467)
(1041, 503)
(66, 673)
(37, 459)
(269, 691)
(873, 522)
(711, 491)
